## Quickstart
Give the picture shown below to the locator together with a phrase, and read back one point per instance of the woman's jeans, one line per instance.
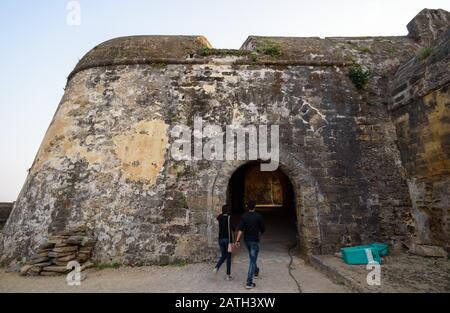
(253, 249)
(223, 244)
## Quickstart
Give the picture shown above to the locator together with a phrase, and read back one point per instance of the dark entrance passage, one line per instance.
(275, 200)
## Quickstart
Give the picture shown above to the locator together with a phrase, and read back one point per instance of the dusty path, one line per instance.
(189, 278)
(273, 262)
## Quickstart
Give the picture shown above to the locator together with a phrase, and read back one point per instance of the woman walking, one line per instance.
(225, 240)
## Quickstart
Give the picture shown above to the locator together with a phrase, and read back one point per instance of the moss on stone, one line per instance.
(184, 202)
(159, 65)
(179, 263)
(365, 49)
(253, 57)
(269, 47)
(392, 50)
(102, 266)
(222, 52)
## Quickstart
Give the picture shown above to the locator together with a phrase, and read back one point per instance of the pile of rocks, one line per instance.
(52, 257)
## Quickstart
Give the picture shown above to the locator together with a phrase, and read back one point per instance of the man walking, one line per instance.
(252, 226)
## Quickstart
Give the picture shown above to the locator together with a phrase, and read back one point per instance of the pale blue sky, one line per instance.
(38, 49)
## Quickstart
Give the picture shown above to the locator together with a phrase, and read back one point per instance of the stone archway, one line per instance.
(308, 199)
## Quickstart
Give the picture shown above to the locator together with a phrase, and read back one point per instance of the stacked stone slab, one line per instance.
(52, 257)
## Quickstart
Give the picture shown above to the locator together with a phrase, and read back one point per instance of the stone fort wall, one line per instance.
(105, 160)
(421, 112)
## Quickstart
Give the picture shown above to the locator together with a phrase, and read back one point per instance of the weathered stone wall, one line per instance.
(421, 109)
(428, 26)
(105, 159)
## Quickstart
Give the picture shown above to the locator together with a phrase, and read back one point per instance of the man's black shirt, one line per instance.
(252, 225)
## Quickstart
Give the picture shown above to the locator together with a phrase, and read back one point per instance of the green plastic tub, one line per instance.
(383, 249)
(357, 255)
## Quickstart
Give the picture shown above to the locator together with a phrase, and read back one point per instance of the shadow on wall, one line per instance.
(5, 211)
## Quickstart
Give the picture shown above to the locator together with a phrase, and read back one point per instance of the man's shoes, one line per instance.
(215, 270)
(256, 276)
(253, 285)
(229, 277)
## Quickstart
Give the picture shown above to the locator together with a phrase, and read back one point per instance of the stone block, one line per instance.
(428, 251)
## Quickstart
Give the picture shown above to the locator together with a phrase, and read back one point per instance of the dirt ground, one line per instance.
(400, 272)
(189, 278)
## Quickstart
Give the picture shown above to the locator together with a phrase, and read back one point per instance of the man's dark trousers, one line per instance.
(253, 250)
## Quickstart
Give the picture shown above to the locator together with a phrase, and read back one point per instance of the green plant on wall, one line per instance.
(425, 52)
(206, 51)
(392, 50)
(222, 52)
(184, 202)
(269, 47)
(365, 50)
(359, 76)
(253, 57)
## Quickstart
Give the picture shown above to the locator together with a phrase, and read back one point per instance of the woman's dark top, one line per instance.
(223, 226)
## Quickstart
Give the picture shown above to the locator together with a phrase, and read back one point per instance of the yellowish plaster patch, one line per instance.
(59, 143)
(58, 130)
(434, 152)
(74, 150)
(142, 150)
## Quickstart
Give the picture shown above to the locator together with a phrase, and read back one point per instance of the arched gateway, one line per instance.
(288, 199)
